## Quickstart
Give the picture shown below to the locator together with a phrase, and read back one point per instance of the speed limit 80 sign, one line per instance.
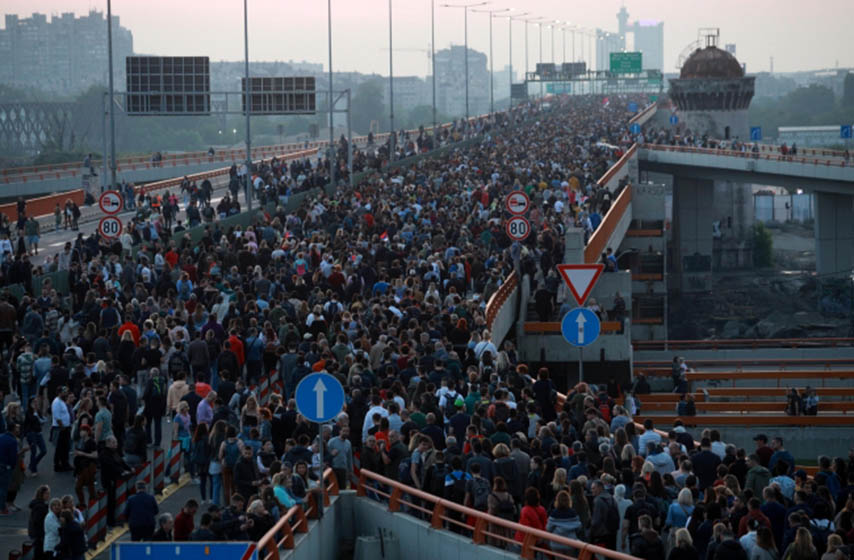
(110, 227)
(517, 228)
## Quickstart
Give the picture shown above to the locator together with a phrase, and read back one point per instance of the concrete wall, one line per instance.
(804, 443)
(692, 232)
(506, 318)
(714, 123)
(325, 536)
(834, 233)
(746, 354)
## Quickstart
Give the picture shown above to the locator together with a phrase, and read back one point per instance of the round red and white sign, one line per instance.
(517, 202)
(518, 228)
(111, 202)
(110, 227)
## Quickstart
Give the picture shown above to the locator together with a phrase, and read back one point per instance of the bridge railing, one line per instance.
(484, 528)
(751, 343)
(295, 520)
(748, 155)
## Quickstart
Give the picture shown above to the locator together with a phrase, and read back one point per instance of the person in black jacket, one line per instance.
(204, 533)
(112, 469)
(38, 511)
(247, 478)
(72, 539)
(154, 398)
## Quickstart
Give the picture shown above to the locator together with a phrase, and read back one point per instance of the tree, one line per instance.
(367, 106)
(848, 91)
(806, 102)
(763, 246)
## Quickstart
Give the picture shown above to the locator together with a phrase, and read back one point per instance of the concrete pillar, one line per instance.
(834, 233)
(693, 214)
(573, 252)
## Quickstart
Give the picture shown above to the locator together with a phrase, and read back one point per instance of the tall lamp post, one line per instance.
(112, 103)
(510, 43)
(391, 137)
(248, 177)
(491, 66)
(466, 8)
(331, 153)
(433, 59)
(527, 21)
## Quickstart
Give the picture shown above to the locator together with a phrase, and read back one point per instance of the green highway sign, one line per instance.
(626, 63)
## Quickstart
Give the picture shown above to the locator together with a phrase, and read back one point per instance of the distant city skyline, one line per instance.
(796, 36)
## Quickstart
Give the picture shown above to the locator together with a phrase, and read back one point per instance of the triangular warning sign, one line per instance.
(580, 278)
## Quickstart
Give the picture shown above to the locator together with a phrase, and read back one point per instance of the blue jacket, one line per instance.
(8, 450)
(141, 510)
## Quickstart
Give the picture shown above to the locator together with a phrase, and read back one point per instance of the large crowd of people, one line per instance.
(384, 286)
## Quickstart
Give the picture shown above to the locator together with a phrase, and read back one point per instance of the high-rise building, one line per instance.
(65, 55)
(648, 39)
(451, 85)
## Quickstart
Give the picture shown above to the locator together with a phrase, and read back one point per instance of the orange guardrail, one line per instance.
(537, 327)
(599, 240)
(741, 407)
(485, 528)
(777, 376)
(753, 420)
(743, 343)
(747, 155)
(295, 520)
(499, 298)
(44, 205)
(745, 392)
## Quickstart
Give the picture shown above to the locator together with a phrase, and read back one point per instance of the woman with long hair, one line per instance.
(684, 547)
(200, 458)
(564, 522)
(802, 547)
(579, 503)
(216, 439)
(765, 548)
(532, 514)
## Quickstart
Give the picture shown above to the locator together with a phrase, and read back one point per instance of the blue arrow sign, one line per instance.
(756, 133)
(633, 107)
(580, 326)
(845, 131)
(320, 397)
(635, 128)
(674, 119)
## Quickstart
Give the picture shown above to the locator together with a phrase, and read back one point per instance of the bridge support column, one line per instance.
(693, 214)
(834, 233)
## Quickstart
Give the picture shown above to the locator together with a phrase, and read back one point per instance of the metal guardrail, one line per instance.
(748, 155)
(295, 520)
(486, 529)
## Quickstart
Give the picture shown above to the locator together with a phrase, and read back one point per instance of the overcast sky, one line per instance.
(799, 35)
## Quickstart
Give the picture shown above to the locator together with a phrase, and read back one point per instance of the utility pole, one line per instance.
(331, 152)
(248, 108)
(391, 138)
(112, 103)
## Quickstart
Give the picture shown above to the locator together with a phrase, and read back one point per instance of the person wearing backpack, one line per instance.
(477, 490)
(229, 455)
(501, 504)
(154, 398)
(434, 482)
(606, 517)
(455, 489)
(564, 522)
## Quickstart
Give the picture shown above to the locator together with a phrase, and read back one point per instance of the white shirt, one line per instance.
(59, 411)
(369, 422)
(51, 532)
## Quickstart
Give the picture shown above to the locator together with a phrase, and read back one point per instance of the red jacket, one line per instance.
(531, 516)
(183, 526)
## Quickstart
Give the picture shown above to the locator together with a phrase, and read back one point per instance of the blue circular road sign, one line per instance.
(320, 397)
(580, 326)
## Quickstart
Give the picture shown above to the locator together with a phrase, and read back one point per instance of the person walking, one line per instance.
(61, 431)
(39, 508)
(141, 511)
(154, 397)
(8, 463)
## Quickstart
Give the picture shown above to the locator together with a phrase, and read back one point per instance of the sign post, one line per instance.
(626, 62)
(674, 119)
(580, 326)
(320, 398)
(111, 202)
(755, 133)
(518, 228)
(517, 203)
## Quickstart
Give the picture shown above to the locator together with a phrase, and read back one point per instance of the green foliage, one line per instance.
(763, 246)
(368, 106)
(848, 91)
(814, 105)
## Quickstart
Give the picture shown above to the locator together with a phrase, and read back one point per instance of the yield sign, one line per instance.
(580, 278)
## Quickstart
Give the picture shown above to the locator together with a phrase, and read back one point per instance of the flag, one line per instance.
(606, 102)
(384, 236)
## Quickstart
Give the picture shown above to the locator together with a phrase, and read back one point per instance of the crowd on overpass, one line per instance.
(383, 285)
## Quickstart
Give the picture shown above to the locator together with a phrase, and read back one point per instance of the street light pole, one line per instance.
(465, 8)
(433, 60)
(331, 152)
(541, 56)
(391, 139)
(248, 177)
(510, 41)
(112, 103)
(491, 66)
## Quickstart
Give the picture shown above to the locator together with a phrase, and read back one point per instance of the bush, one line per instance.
(763, 246)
